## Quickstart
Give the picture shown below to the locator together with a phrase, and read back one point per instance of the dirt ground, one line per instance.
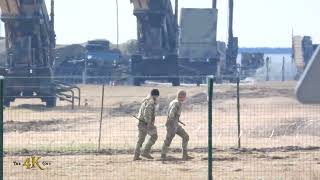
(280, 138)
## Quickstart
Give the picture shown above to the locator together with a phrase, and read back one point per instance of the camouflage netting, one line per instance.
(69, 51)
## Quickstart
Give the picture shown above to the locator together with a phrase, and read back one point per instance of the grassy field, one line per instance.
(280, 138)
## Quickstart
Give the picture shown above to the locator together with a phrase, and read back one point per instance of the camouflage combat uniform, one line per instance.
(146, 126)
(174, 128)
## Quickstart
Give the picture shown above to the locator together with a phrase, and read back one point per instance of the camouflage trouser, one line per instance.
(171, 132)
(143, 131)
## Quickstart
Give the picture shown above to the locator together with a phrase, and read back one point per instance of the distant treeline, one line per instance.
(266, 50)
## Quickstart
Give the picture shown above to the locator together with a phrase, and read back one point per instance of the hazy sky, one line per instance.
(257, 22)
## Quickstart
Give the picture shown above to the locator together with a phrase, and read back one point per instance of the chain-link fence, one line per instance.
(279, 137)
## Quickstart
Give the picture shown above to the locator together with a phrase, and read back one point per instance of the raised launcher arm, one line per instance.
(30, 42)
(30, 37)
(157, 27)
(157, 34)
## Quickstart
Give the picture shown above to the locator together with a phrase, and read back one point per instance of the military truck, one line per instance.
(94, 62)
(69, 63)
(30, 43)
(101, 61)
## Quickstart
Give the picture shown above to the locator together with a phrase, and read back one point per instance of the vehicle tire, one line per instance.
(176, 82)
(51, 102)
(6, 102)
(136, 81)
(218, 80)
(136, 61)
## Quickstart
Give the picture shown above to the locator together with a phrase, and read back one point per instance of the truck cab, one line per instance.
(101, 60)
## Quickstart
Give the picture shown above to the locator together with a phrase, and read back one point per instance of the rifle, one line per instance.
(182, 123)
(138, 119)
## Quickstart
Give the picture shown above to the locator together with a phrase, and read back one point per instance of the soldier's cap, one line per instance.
(155, 92)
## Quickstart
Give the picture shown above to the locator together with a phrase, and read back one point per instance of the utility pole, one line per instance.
(176, 15)
(232, 49)
(52, 35)
(117, 24)
(52, 14)
(230, 30)
(214, 4)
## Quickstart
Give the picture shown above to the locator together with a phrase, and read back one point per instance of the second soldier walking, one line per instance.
(174, 128)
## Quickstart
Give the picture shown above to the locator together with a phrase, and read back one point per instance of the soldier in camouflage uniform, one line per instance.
(146, 125)
(174, 128)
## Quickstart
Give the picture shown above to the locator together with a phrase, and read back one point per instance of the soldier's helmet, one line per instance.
(155, 92)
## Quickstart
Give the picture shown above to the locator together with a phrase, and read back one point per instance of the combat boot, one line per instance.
(186, 157)
(147, 155)
(163, 157)
(136, 157)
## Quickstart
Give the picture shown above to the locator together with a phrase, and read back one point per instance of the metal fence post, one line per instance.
(267, 69)
(283, 69)
(210, 95)
(1, 124)
(238, 110)
(101, 117)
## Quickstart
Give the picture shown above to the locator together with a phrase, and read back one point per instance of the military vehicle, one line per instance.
(199, 53)
(94, 62)
(30, 53)
(160, 42)
(199, 49)
(69, 63)
(101, 61)
(157, 35)
(30, 42)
